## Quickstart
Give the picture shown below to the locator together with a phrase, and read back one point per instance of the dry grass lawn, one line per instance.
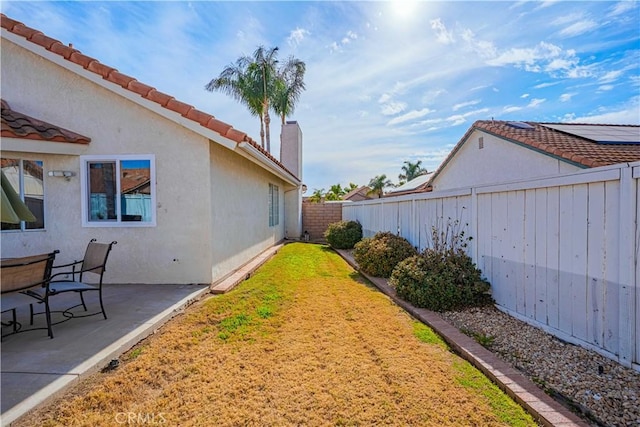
(305, 341)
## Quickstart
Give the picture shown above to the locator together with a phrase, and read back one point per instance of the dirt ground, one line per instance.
(303, 342)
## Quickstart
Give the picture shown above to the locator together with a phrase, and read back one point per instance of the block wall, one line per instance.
(316, 217)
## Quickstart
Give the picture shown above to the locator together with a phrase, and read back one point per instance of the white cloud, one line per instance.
(544, 57)
(393, 107)
(442, 34)
(610, 76)
(411, 115)
(296, 36)
(432, 95)
(511, 109)
(484, 49)
(566, 97)
(570, 17)
(347, 39)
(578, 28)
(622, 7)
(385, 97)
(535, 102)
(524, 95)
(605, 88)
(625, 115)
(547, 84)
(465, 104)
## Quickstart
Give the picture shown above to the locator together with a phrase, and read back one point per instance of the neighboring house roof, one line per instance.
(417, 184)
(359, 193)
(567, 144)
(129, 83)
(18, 125)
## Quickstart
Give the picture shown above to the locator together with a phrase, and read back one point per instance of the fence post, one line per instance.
(474, 226)
(626, 317)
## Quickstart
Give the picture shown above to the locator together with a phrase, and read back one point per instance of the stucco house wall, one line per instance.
(240, 210)
(497, 161)
(211, 202)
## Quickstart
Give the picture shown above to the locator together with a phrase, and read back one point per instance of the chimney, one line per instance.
(291, 158)
(291, 148)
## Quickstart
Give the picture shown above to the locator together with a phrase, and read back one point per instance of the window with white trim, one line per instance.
(26, 179)
(274, 205)
(118, 191)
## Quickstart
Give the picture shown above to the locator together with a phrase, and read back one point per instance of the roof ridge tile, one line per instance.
(179, 107)
(97, 67)
(139, 88)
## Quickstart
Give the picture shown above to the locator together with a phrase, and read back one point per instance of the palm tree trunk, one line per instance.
(262, 131)
(267, 120)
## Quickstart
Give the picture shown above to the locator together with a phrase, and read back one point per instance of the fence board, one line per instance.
(540, 256)
(595, 263)
(612, 276)
(566, 259)
(579, 264)
(529, 243)
(498, 226)
(485, 236)
(515, 237)
(553, 257)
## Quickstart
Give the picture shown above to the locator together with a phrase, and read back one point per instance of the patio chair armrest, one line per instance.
(62, 273)
(67, 265)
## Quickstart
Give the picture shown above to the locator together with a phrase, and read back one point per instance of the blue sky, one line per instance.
(386, 81)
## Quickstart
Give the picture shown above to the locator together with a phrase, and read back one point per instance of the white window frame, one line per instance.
(274, 205)
(23, 225)
(84, 187)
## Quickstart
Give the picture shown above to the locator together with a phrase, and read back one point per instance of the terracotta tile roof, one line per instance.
(357, 194)
(573, 148)
(580, 151)
(129, 83)
(18, 125)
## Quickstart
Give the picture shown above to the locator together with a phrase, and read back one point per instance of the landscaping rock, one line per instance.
(605, 392)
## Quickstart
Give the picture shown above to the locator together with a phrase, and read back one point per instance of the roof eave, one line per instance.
(252, 153)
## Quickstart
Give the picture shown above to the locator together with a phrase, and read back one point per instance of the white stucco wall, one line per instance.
(210, 215)
(240, 210)
(498, 161)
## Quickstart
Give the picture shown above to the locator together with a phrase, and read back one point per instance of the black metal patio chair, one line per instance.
(94, 262)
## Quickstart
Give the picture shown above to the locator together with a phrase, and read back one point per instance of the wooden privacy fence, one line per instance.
(561, 253)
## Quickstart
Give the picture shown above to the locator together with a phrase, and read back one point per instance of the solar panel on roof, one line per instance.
(602, 134)
(520, 125)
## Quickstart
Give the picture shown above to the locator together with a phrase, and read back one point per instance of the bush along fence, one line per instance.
(561, 252)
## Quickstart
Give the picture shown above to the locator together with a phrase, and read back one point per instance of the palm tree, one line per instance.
(289, 86)
(252, 81)
(335, 192)
(317, 195)
(411, 171)
(235, 81)
(378, 184)
(264, 72)
(351, 187)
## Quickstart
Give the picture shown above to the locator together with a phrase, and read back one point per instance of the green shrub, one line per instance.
(343, 234)
(378, 255)
(440, 281)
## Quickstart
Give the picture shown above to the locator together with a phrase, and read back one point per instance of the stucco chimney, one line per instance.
(291, 158)
(291, 148)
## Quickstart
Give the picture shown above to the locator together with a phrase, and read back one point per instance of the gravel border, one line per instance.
(604, 392)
